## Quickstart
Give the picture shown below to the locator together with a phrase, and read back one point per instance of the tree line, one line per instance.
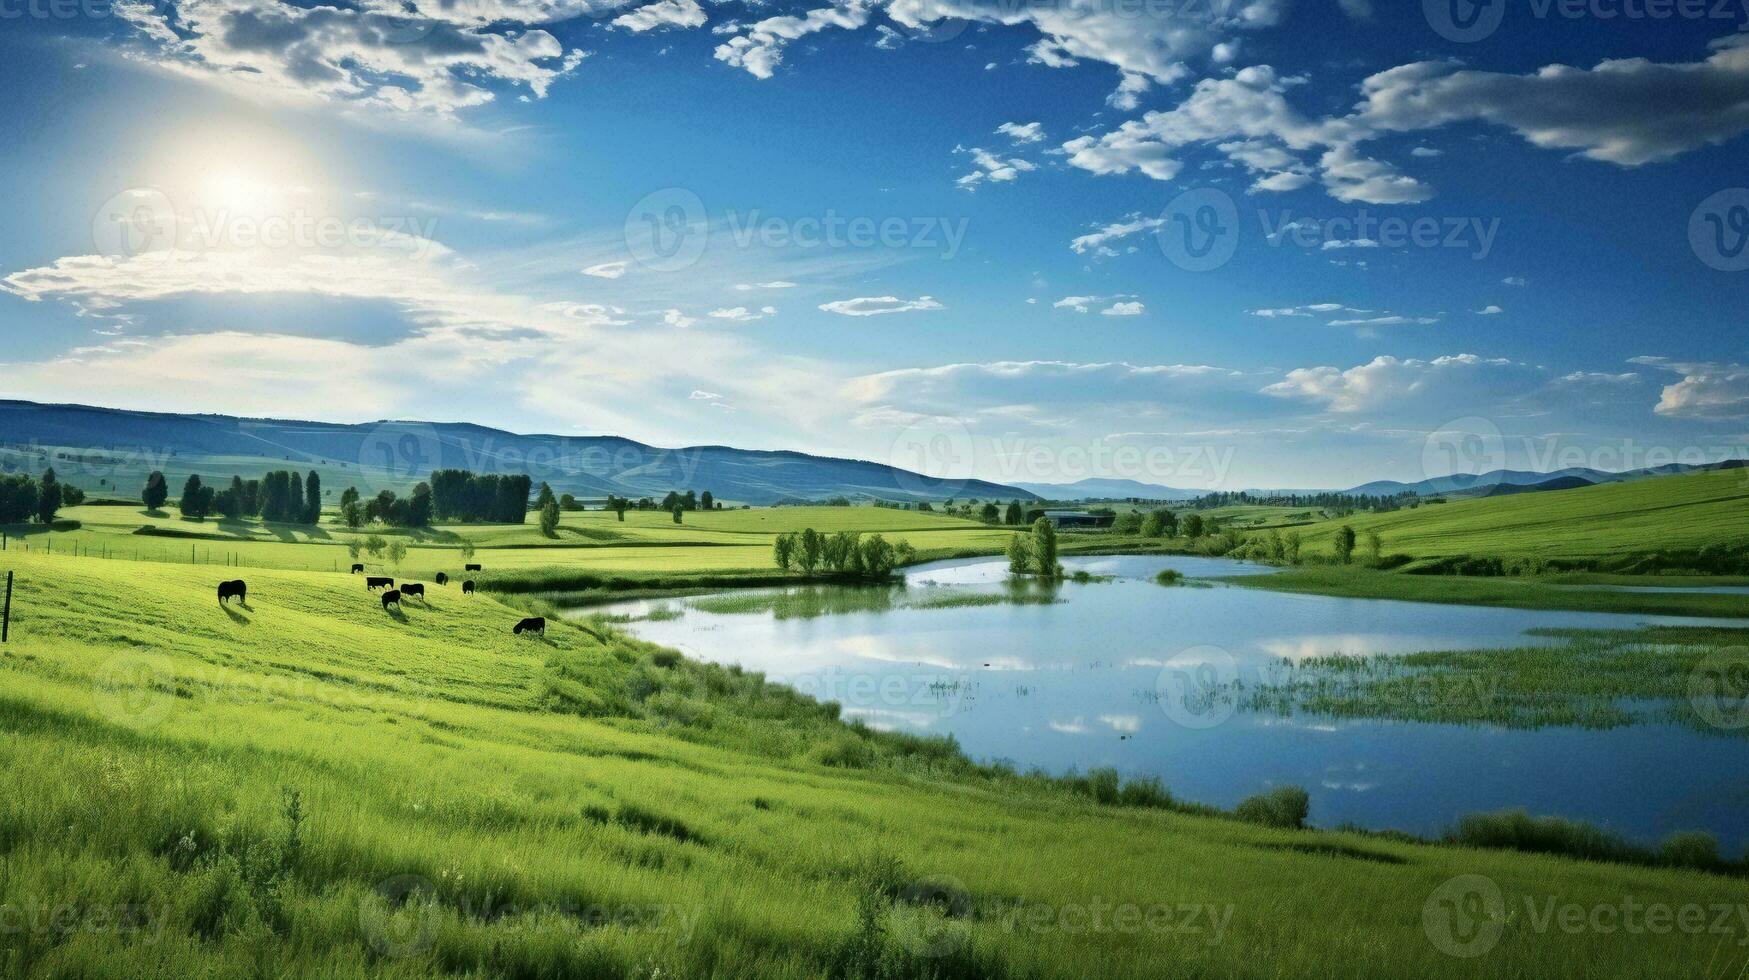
(24, 498)
(280, 497)
(491, 498)
(845, 553)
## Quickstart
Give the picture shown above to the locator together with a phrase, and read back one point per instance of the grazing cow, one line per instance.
(375, 582)
(470, 568)
(533, 624)
(391, 597)
(442, 579)
(416, 588)
(236, 588)
(356, 568)
(468, 587)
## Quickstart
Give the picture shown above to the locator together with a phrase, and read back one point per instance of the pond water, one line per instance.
(1095, 673)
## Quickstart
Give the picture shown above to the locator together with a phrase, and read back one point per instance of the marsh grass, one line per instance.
(1592, 679)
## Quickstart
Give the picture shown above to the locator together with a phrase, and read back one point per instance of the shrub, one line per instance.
(1693, 849)
(1517, 830)
(1284, 806)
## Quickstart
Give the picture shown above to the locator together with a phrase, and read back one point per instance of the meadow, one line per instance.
(307, 784)
(1651, 525)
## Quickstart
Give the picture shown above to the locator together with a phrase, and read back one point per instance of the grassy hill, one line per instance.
(308, 785)
(1639, 526)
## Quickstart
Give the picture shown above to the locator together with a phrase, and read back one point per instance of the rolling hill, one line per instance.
(1609, 525)
(88, 444)
(1108, 489)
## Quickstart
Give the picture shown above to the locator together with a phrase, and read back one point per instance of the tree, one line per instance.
(706, 501)
(809, 551)
(72, 496)
(374, 545)
(1191, 525)
(876, 557)
(48, 499)
(293, 513)
(312, 499)
(419, 507)
(549, 516)
(544, 497)
(17, 498)
(567, 502)
(1374, 545)
(990, 513)
(467, 550)
(1019, 558)
(619, 505)
(193, 502)
(1015, 515)
(156, 491)
(1044, 547)
(397, 553)
(1290, 547)
(676, 513)
(351, 511)
(784, 550)
(229, 502)
(1345, 544)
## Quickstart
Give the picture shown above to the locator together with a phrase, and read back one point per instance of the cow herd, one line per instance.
(392, 596)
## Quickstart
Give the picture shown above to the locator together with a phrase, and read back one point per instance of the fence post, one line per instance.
(6, 616)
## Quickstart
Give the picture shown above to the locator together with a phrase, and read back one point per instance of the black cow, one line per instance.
(442, 579)
(468, 587)
(391, 597)
(470, 568)
(237, 589)
(374, 582)
(357, 568)
(416, 588)
(533, 624)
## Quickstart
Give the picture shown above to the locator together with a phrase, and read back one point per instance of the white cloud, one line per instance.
(1708, 390)
(760, 50)
(1516, 281)
(675, 318)
(607, 270)
(1307, 310)
(1116, 231)
(1628, 111)
(1461, 379)
(701, 396)
(743, 314)
(990, 167)
(877, 305)
(436, 60)
(1388, 320)
(1031, 132)
(1490, 310)
(665, 13)
(773, 284)
(1130, 308)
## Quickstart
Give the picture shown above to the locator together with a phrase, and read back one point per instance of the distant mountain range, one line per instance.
(1100, 488)
(1499, 482)
(397, 454)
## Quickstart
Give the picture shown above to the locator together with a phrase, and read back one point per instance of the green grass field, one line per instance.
(1609, 524)
(310, 786)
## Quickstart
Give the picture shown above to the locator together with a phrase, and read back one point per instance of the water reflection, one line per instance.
(1152, 680)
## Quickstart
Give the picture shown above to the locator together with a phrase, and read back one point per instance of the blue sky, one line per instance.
(947, 234)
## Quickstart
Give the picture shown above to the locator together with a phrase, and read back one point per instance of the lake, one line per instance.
(1103, 673)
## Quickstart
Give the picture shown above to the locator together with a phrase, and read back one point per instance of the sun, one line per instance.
(240, 193)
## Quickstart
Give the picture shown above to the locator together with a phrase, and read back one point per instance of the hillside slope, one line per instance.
(1607, 523)
(311, 783)
(125, 445)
